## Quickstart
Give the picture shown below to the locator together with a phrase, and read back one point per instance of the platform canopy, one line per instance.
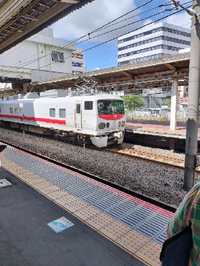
(154, 73)
(20, 19)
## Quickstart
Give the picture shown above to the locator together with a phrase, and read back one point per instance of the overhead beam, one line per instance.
(170, 67)
(127, 74)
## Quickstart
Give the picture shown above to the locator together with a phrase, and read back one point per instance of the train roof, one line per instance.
(31, 97)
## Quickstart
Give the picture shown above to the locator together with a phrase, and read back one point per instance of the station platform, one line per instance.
(53, 216)
(157, 127)
(151, 132)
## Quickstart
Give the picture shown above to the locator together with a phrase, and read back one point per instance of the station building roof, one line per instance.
(20, 20)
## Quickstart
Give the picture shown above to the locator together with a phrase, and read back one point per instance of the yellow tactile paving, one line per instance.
(49, 189)
(150, 253)
(57, 194)
(133, 241)
(99, 221)
(75, 205)
(40, 186)
(115, 230)
(86, 213)
(64, 199)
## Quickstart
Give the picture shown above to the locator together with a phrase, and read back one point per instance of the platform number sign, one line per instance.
(60, 224)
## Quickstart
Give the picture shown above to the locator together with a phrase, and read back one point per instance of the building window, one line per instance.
(161, 46)
(52, 112)
(80, 56)
(77, 64)
(57, 57)
(159, 29)
(89, 105)
(62, 113)
(11, 110)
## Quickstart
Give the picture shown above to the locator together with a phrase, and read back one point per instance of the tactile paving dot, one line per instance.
(65, 199)
(115, 230)
(133, 241)
(86, 213)
(49, 189)
(42, 185)
(150, 253)
(57, 194)
(35, 180)
(99, 221)
(75, 205)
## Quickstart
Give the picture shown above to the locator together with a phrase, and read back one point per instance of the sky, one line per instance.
(100, 46)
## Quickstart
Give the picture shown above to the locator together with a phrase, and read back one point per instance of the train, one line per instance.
(95, 118)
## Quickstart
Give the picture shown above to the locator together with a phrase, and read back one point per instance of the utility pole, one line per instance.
(193, 99)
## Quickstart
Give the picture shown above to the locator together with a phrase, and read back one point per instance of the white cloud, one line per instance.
(183, 20)
(91, 17)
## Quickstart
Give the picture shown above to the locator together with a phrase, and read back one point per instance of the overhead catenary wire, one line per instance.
(112, 39)
(68, 46)
(111, 31)
(86, 35)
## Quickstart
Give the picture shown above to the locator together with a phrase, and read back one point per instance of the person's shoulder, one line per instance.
(197, 186)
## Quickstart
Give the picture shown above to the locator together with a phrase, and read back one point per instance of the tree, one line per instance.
(132, 102)
(167, 101)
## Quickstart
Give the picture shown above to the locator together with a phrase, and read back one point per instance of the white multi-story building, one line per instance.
(151, 42)
(45, 56)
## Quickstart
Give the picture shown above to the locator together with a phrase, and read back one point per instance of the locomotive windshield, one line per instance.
(110, 107)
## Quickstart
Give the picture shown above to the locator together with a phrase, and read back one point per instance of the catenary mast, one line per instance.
(193, 98)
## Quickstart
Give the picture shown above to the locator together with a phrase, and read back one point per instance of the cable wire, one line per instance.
(113, 30)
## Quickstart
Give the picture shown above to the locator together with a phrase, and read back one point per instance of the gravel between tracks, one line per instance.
(161, 182)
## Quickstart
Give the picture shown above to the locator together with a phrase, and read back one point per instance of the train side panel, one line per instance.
(82, 116)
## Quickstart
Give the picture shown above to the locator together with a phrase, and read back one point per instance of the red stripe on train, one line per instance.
(46, 120)
(112, 117)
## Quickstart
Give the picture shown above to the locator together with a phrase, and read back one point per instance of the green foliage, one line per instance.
(132, 102)
(167, 101)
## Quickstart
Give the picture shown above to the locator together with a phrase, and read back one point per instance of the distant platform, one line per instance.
(157, 133)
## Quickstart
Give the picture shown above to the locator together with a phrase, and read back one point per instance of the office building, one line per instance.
(153, 41)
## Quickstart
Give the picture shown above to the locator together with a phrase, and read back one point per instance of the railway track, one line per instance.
(148, 156)
(167, 160)
(102, 180)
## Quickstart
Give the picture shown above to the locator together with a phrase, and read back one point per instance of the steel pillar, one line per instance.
(174, 97)
(193, 101)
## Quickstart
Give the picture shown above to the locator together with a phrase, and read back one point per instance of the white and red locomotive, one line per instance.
(99, 118)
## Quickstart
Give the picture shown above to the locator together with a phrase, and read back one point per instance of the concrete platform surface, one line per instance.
(27, 239)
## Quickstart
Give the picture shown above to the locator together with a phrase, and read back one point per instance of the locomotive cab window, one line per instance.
(11, 110)
(62, 113)
(110, 107)
(52, 112)
(88, 105)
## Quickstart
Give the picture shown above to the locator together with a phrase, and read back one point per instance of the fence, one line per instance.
(159, 115)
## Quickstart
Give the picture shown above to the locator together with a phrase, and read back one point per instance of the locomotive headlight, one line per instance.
(107, 125)
(123, 123)
(119, 124)
(102, 125)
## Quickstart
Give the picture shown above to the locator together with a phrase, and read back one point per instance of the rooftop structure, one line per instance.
(152, 42)
(45, 56)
